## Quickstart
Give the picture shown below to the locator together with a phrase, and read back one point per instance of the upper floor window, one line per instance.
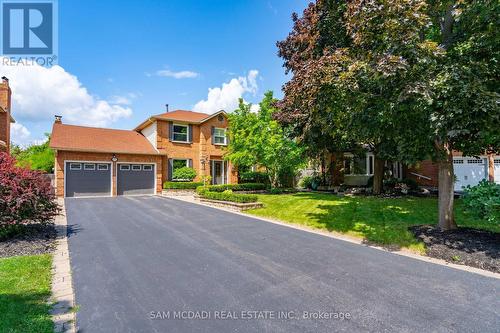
(220, 136)
(180, 132)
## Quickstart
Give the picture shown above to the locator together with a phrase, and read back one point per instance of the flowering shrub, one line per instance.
(25, 195)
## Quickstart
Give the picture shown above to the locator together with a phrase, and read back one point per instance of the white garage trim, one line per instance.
(467, 166)
(141, 163)
(76, 161)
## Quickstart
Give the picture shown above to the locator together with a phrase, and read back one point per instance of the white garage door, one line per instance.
(469, 171)
(497, 170)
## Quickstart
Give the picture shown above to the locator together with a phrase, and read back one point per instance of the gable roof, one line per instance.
(190, 117)
(103, 140)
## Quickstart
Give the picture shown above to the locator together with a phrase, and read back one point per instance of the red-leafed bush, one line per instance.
(25, 196)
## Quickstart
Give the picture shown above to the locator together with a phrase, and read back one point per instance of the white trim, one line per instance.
(102, 164)
(74, 169)
(212, 171)
(367, 162)
(218, 136)
(77, 161)
(147, 165)
(187, 132)
(136, 165)
(124, 169)
(91, 166)
(142, 163)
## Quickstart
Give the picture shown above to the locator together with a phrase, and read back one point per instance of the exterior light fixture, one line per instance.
(114, 158)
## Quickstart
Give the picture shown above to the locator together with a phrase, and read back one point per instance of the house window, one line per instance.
(177, 164)
(124, 167)
(136, 167)
(220, 136)
(147, 167)
(180, 132)
(102, 167)
(356, 165)
(75, 166)
(88, 166)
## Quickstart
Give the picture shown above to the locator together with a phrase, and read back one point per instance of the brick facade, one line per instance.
(5, 118)
(200, 149)
(62, 156)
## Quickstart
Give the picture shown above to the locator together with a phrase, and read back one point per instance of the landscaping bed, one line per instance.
(32, 239)
(466, 246)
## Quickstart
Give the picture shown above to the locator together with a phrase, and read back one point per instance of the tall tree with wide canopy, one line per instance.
(390, 74)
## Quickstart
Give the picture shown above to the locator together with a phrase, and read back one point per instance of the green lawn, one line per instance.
(380, 220)
(24, 291)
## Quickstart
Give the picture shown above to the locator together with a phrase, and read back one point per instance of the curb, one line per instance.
(405, 253)
(63, 314)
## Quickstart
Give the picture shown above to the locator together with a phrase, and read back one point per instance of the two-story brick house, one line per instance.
(108, 162)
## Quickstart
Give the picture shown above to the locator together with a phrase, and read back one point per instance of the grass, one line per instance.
(25, 286)
(384, 221)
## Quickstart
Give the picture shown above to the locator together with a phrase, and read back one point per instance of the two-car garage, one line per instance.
(95, 179)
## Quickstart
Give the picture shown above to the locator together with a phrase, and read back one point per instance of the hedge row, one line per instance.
(205, 192)
(236, 187)
(182, 185)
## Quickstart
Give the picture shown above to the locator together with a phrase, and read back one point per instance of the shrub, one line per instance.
(483, 200)
(25, 196)
(182, 185)
(226, 195)
(311, 182)
(237, 187)
(254, 177)
(185, 174)
(411, 183)
(279, 190)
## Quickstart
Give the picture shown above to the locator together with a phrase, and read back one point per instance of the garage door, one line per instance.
(469, 171)
(135, 179)
(87, 179)
(497, 170)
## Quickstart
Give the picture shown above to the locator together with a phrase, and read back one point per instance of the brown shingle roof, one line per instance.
(92, 139)
(181, 116)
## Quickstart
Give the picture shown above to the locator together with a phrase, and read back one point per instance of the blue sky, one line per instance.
(123, 60)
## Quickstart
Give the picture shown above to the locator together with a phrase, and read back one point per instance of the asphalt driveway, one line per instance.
(151, 264)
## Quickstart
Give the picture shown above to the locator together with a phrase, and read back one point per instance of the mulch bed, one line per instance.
(466, 246)
(35, 239)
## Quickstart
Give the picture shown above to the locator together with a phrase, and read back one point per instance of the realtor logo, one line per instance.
(29, 28)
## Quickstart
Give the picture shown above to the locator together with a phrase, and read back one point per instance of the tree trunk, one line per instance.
(446, 180)
(378, 175)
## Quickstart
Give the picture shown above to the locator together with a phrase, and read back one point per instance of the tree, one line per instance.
(35, 156)
(257, 139)
(400, 77)
(351, 64)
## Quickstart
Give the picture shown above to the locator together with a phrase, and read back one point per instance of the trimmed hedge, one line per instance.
(237, 187)
(182, 185)
(226, 195)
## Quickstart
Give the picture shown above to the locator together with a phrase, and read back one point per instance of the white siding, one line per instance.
(150, 133)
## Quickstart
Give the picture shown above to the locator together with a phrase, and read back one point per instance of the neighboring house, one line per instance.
(108, 162)
(468, 170)
(5, 116)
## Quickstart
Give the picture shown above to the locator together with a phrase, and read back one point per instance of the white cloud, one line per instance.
(177, 75)
(38, 93)
(19, 134)
(226, 97)
(123, 100)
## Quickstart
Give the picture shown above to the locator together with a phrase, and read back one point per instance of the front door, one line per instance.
(218, 172)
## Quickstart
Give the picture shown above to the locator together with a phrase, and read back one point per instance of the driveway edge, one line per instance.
(63, 310)
(345, 238)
